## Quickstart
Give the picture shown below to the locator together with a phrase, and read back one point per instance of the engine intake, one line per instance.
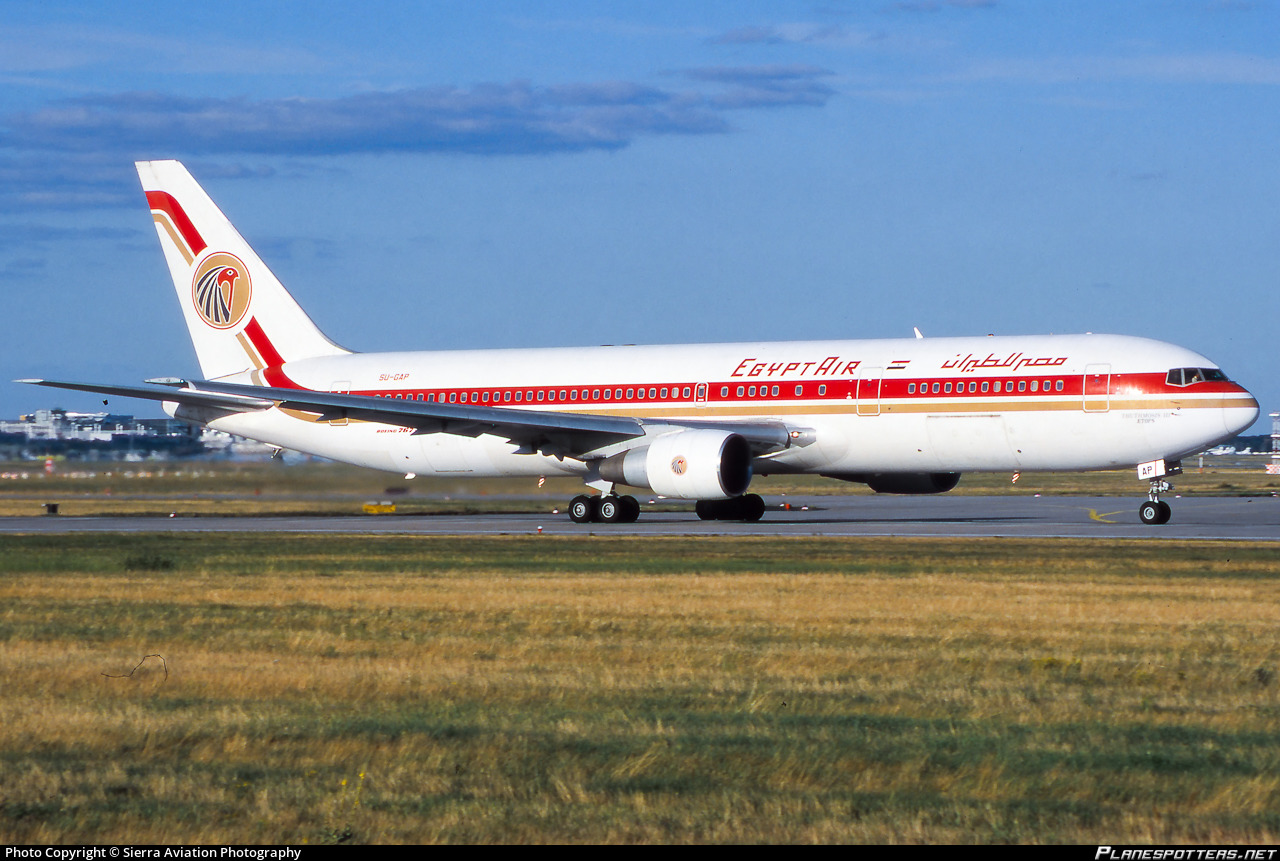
(687, 464)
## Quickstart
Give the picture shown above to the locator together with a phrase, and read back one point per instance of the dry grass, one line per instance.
(335, 689)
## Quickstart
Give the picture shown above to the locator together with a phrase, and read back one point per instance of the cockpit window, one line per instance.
(1191, 376)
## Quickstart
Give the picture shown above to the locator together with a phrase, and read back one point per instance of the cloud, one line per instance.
(1223, 68)
(798, 33)
(515, 118)
(28, 235)
(937, 5)
(764, 86)
(75, 152)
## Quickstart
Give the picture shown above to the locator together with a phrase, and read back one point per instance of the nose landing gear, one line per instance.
(1154, 511)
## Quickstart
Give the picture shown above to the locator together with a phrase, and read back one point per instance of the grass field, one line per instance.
(354, 689)
(251, 488)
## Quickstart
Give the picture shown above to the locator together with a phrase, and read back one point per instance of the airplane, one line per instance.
(692, 422)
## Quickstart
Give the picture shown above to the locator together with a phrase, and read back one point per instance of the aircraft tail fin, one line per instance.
(241, 318)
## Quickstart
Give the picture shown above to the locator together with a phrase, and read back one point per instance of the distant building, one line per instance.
(96, 436)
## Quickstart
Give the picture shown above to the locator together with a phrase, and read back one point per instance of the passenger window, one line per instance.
(947, 389)
(663, 393)
(724, 391)
(1057, 387)
(935, 388)
(518, 394)
(541, 395)
(1035, 385)
(617, 394)
(984, 386)
(740, 390)
(608, 393)
(751, 392)
(798, 390)
(486, 397)
(453, 397)
(1022, 385)
(973, 387)
(911, 388)
(822, 390)
(774, 391)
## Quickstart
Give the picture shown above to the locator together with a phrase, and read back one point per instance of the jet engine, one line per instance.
(903, 482)
(686, 464)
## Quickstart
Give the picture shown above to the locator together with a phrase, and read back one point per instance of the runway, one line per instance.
(1199, 518)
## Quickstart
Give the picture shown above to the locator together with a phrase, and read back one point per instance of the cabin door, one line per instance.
(869, 391)
(1097, 388)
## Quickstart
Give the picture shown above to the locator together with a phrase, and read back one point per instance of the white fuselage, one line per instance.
(1066, 402)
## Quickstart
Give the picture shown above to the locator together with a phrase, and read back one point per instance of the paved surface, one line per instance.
(1241, 519)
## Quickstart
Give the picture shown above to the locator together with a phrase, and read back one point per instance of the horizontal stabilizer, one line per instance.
(169, 393)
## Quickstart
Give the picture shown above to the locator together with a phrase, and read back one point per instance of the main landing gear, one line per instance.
(611, 508)
(604, 509)
(748, 507)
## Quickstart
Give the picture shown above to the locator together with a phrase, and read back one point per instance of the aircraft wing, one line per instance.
(554, 433)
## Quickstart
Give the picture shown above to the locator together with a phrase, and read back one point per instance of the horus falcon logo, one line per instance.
(220, 290)
(679, 465)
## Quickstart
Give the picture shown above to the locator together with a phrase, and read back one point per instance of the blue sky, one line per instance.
(487, 174)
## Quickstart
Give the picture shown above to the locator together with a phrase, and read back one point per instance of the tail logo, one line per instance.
(221, 290)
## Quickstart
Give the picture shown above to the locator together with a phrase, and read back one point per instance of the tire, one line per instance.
(583, 509)
(630, 509)
(1165, 512)
(1149, 513)
(611, 510)
(707, 509)
(750, 508)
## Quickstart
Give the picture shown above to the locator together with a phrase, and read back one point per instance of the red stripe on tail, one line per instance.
(271, 358)
(167, 204)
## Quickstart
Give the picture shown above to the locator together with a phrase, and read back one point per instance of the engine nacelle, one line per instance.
(687, 464)
(903, 482)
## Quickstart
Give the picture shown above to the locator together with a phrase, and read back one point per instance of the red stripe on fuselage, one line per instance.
(167, 204)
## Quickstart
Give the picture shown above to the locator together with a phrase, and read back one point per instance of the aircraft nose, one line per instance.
(1239, 414)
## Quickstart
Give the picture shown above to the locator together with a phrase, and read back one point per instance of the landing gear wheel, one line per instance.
(1165, 512)
(611, 509)
(748, 509)
(583, 509)
(630, 509)
(1155, 512)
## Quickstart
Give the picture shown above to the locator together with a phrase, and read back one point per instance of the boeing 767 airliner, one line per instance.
(692, 422)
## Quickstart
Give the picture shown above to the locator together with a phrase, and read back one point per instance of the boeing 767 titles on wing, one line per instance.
(691, 422)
